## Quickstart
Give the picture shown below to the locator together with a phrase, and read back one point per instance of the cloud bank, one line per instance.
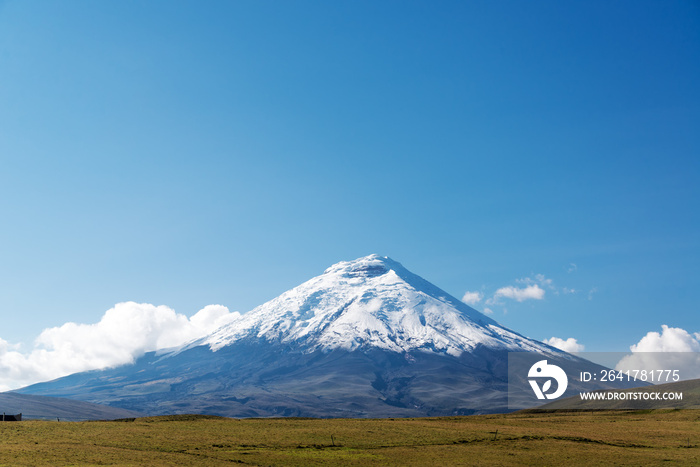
(672, 349)
(670, 340)
(125, 332)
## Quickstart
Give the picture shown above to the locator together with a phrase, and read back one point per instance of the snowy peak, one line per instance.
(371, 302)
(369, 266)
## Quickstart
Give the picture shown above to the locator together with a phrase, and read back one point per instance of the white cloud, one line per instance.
(568, 345)
(488, 311)
(472, 298)
(544, 281)
(534, 287)
(531, 292)
(538, 279)
(124, 333)
(672, 349)
(670, 340)
(572, 268)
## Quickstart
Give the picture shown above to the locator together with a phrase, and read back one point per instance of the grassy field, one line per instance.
(579, 438)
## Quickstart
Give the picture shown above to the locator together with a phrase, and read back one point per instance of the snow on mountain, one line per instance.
(371, 302)
(367, 338)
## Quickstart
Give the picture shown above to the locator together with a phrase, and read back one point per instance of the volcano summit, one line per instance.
(370, 303)
(367, 338)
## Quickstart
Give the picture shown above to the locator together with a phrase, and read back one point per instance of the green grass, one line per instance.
(603, 438)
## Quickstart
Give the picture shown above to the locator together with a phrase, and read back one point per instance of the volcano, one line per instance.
(367, 338)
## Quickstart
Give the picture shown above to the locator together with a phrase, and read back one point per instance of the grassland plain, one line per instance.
(579, 438)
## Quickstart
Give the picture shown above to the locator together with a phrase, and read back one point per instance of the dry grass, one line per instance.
(607, 438)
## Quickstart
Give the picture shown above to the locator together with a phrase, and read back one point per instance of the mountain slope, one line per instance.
(367, 338)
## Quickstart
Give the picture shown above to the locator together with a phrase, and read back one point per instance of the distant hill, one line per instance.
(51, 408)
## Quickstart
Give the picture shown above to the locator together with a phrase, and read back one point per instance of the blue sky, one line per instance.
(188, 154)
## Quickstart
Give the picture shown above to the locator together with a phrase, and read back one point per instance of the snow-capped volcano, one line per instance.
(367, 338)
(370, 302)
